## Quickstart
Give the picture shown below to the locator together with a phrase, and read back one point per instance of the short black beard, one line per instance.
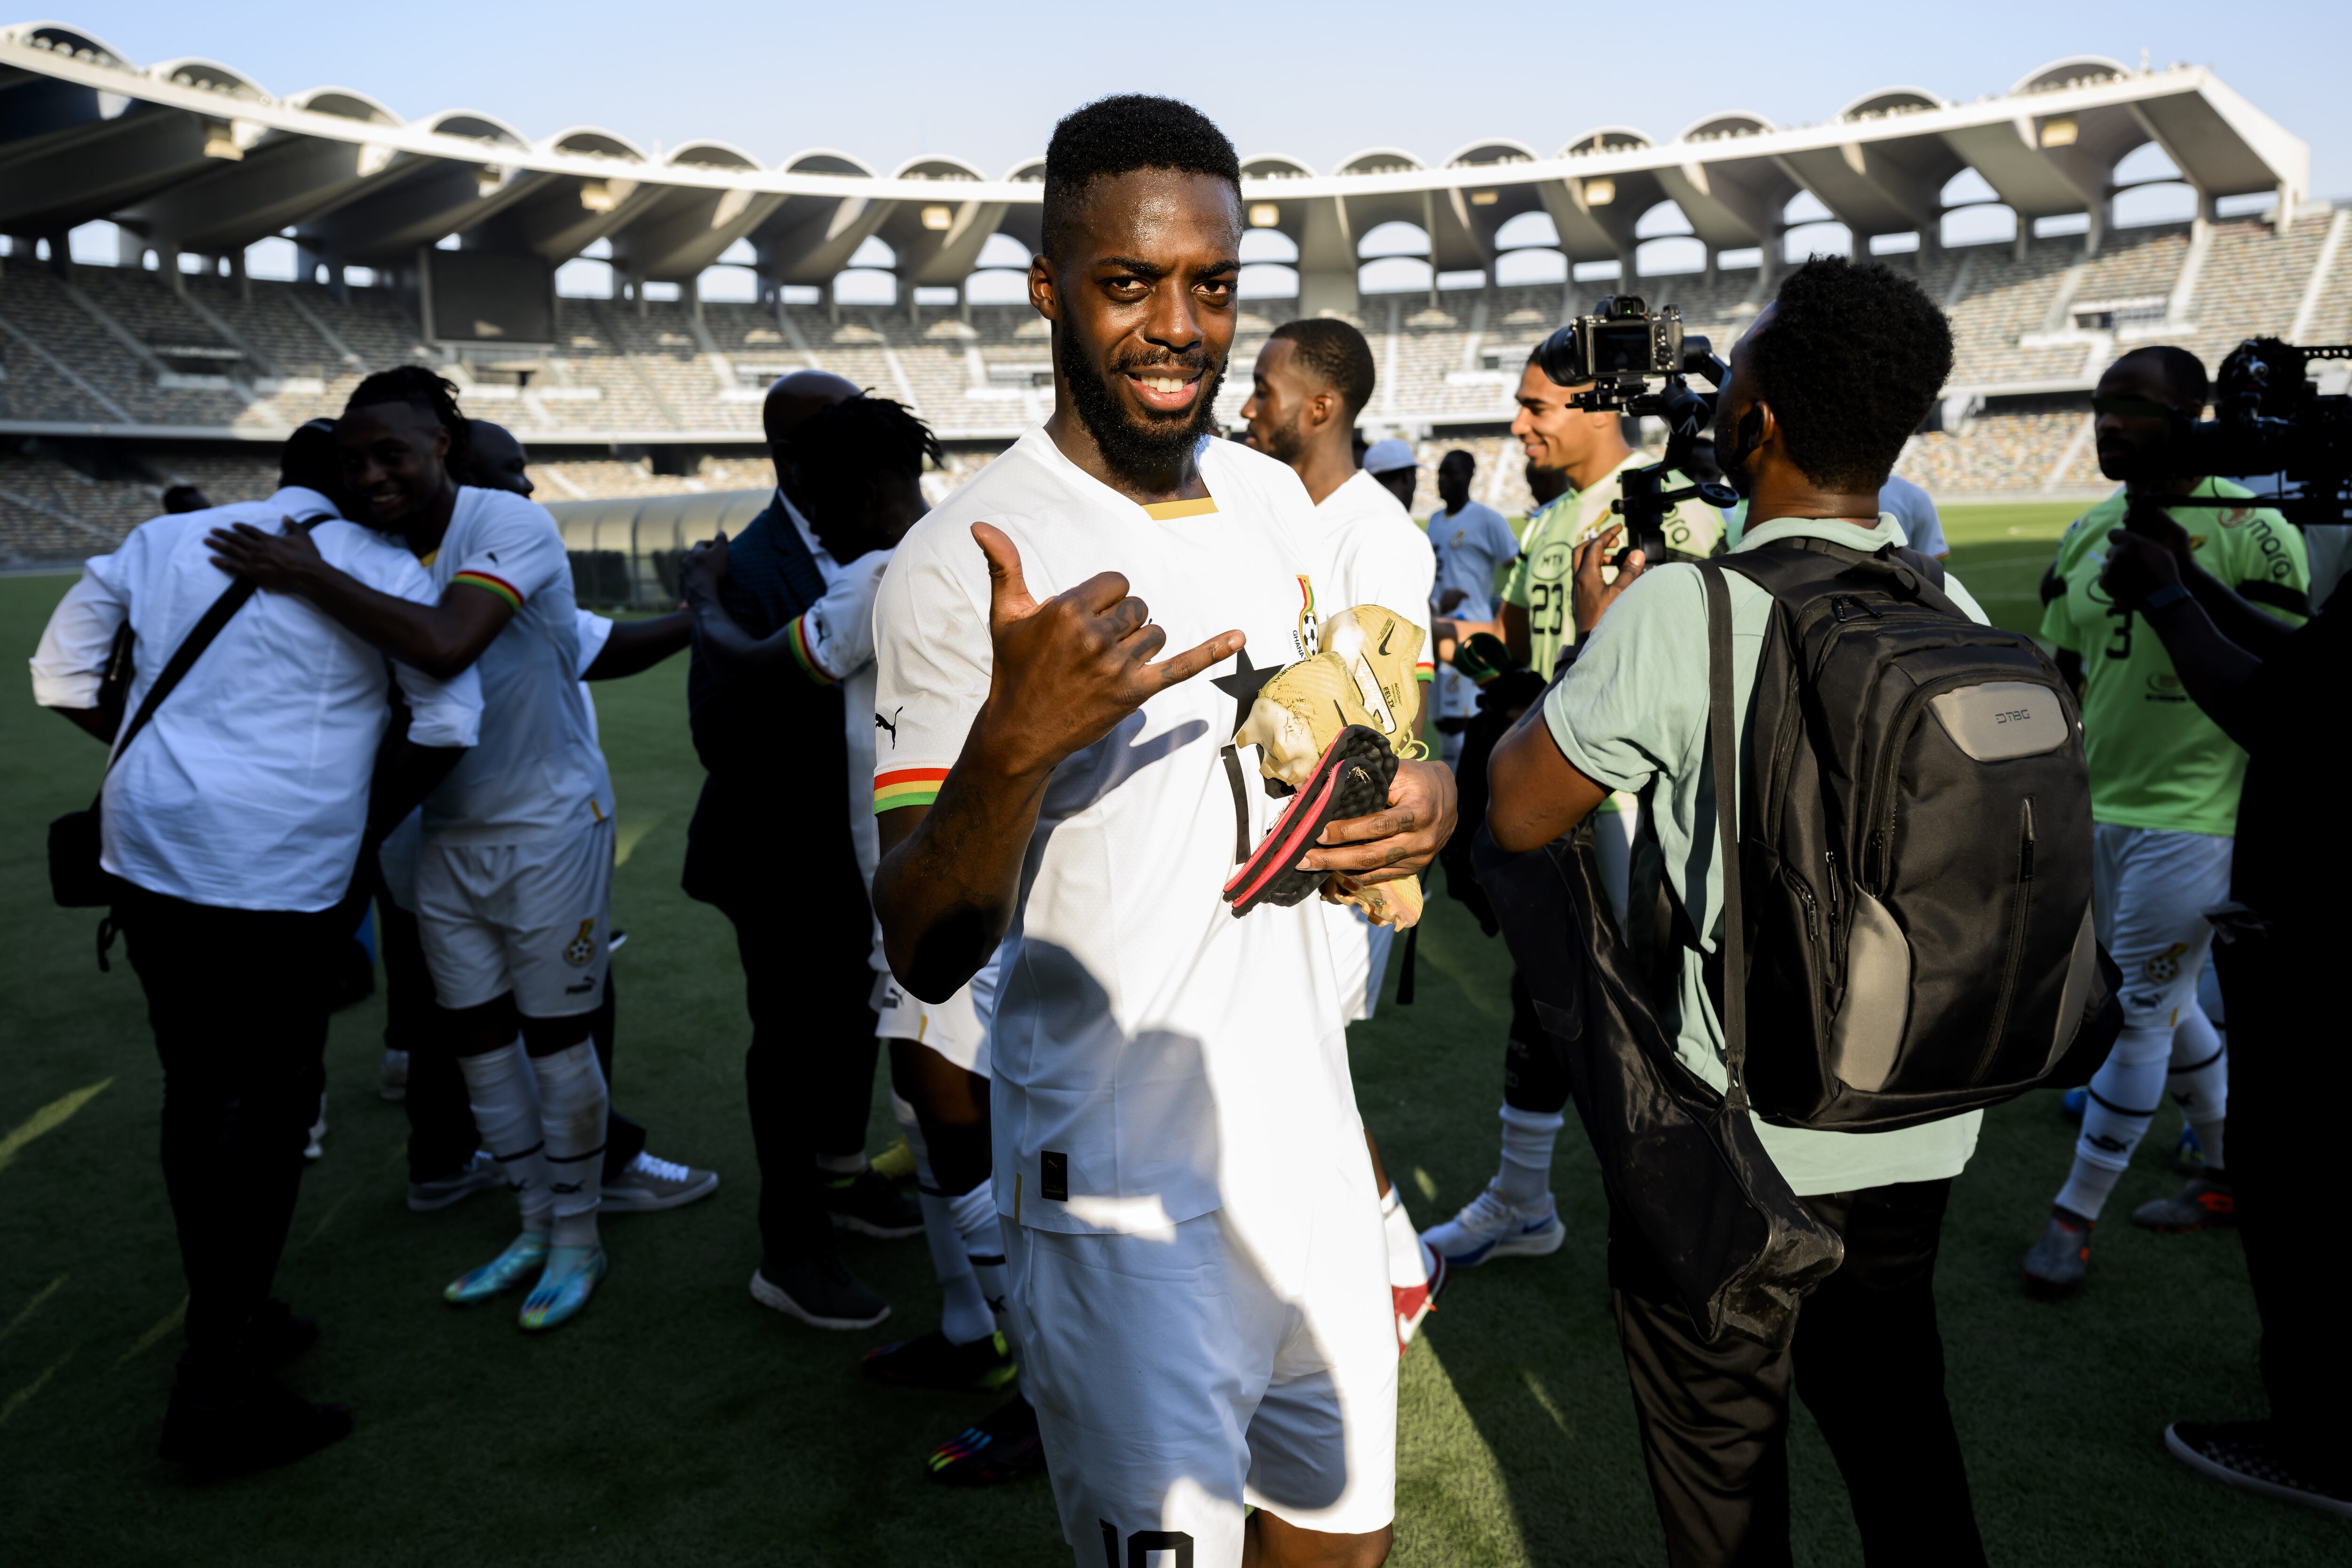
(1140, 453)
(1284, 442)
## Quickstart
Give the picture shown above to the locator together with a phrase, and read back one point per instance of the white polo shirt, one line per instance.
(1154, 1057)
(249, 790)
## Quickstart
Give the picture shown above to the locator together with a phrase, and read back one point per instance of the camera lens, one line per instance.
(1561, 359)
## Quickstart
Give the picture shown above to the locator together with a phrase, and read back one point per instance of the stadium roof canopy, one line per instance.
(191, 156)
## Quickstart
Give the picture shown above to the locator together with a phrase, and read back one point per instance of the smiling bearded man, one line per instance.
(1193, 1248)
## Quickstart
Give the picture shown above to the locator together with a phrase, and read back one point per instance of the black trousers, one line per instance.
(2287, 1045)
(239, 1001)
(1535, 1069)
(1868, 1361)
(441, 1132)
(808, 1077)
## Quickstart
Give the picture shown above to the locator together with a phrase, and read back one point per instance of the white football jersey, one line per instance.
(1151, 1052)
(537, 770)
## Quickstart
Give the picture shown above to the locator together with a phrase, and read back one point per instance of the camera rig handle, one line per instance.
(1642, 499)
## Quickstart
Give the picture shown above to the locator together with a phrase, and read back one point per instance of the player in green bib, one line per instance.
(2164, 802)
(1587, 452)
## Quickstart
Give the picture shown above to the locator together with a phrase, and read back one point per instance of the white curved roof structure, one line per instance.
(192, 156)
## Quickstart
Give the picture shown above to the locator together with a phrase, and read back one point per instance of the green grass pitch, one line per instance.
(679, 1422)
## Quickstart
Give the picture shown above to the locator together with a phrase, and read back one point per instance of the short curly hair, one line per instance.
(1335, 354)
(1120, 134)
(1855, 356)
(421, 389)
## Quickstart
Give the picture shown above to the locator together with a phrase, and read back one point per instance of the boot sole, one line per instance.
(2243, 1482)
(1351, 779)
(772, 1295)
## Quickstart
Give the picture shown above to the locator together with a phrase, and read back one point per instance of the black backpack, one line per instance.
(1915, 849)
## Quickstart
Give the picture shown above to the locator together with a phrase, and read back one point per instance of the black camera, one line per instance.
(1619, 349)
(2270, 419)
(1627, 359)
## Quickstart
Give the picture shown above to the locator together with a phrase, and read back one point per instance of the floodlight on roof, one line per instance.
(939, 219)
(1265, 215)
(1599, 192)
(2058, 130)
(605, 196)
(1485, 198)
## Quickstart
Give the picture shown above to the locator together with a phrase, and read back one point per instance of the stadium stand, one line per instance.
(116, 381)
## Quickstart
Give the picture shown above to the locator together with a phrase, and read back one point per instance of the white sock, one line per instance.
(1408, 1269)
(1526, 1176)
(977, 1223)
(572, 1110)
(964, 1314)
(2124, 1093)
(504, 1093)
(2200, 1082)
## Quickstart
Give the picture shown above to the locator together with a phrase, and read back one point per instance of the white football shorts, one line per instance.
(1248, 1357)
(1360, 954)
(955, 1028)
(2150, 888)
(531, 919)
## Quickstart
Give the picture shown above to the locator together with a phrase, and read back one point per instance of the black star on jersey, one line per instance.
(1243, 687)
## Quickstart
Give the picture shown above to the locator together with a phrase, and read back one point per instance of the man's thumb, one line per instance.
(1008, 592)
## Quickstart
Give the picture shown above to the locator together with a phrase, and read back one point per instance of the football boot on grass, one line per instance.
(935, 1361)
(2204, 1204)
(525, 1255)
(2057, 1264)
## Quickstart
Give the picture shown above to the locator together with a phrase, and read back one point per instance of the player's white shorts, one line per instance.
(531, 919)
(2150, 888)
(1360, 954)
(1453, 695)
(955, 1028)
(1246, 1357)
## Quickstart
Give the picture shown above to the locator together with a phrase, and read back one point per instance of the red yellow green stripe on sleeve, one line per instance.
(796, 639)
(906, 787)
(504, 590)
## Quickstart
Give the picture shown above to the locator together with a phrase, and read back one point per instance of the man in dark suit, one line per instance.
(770, 846)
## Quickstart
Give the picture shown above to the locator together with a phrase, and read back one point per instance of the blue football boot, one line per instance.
(572, 1277)
(523, 1256)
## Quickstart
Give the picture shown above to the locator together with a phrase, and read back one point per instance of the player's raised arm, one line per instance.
(1063, 673)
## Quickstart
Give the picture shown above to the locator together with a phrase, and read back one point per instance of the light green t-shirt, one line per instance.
(2156, 760)
(1542, 580)
(1634, 707)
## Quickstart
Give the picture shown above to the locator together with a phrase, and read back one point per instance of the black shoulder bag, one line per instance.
(77, 879)
(1685, 1168)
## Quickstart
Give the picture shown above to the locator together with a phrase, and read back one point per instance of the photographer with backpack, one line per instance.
(1901, 970)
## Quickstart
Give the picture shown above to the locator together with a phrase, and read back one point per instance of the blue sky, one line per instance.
(1317, 81)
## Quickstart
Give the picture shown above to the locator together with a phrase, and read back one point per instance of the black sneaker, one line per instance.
(1002, 1447)
(252, 1424)
(872, 1205)
(2245, 1454)
(934, 1361)
(276, 1334)
(819, 1291)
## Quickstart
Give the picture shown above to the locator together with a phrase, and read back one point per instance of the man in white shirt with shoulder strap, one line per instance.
(235, 820)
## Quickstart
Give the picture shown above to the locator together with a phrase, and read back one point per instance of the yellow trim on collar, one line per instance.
(1168, 511)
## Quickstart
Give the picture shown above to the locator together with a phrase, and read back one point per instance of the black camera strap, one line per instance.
(1731, 1008)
